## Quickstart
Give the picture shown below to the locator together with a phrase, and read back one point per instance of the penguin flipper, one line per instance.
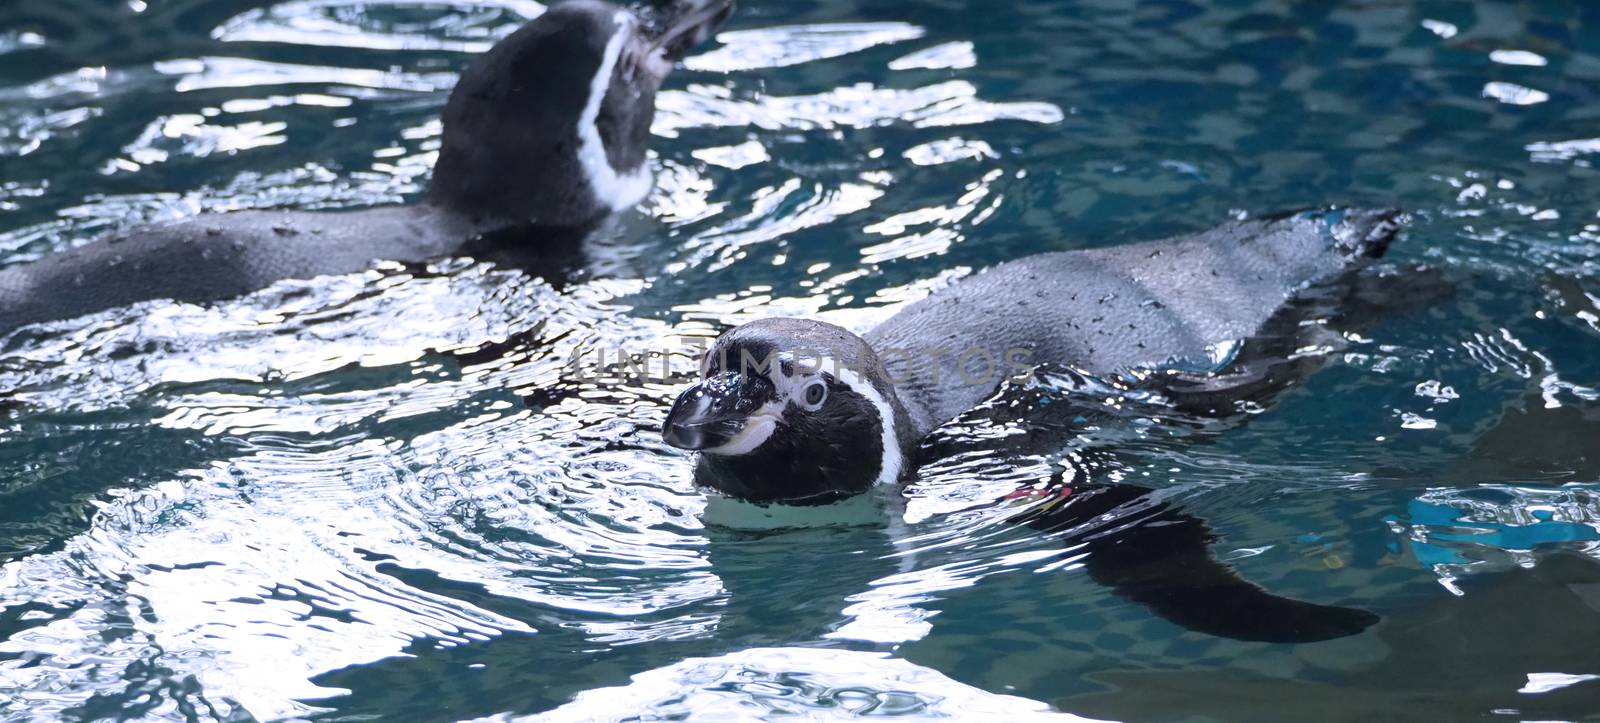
(1274, 359)
(1161, 560)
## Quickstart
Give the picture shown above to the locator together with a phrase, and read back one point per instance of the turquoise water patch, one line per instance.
(380, 496)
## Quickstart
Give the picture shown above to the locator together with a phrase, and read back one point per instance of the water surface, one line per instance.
(380, 496)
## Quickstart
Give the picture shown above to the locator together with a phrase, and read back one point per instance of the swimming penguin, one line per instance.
(545, 133)
(802, 412)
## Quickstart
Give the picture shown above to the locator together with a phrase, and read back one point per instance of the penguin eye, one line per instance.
(816, 393)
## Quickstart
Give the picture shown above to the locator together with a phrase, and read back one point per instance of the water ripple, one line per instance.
(953, 103)
(468, 26)
(788, 682)
(387, 495)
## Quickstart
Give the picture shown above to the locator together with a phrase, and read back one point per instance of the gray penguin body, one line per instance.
(1186, 304)
(801, 431)
(1105, 311)
(218, 257)
(545, 135)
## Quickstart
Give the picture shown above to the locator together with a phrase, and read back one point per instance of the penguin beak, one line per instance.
(677, 26)
(722, 414)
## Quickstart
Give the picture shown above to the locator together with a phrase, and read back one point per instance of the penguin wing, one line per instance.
(1158, 556)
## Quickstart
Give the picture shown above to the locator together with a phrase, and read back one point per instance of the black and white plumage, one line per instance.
(774, 428)
(545, 134)
(764, 437)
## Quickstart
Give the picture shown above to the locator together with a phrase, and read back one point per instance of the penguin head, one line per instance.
(791, 411)
(551, 126)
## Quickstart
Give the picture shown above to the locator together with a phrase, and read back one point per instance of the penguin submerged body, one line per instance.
(802, 412)
(545, 134)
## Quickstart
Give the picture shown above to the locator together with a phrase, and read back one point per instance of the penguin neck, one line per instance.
(907, 433)
(919, 391)
(909, 425)
(576, 192)
(519, 155)
(468, 223)
(507, 207)
(552, 251)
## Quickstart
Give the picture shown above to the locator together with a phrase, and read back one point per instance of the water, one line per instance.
(378, 496)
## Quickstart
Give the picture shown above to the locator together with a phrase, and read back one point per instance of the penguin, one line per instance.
(545, 135)
(801, 412)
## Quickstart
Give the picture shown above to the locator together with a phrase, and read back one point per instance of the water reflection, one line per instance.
(817, 684)
(1498, 527)
(465, 27)
(793, 45)
(377, 495)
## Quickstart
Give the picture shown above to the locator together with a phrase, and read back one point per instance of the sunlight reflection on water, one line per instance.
(382, 495)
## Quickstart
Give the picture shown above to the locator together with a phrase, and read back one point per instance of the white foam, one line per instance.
(616, 191)
(1546, 682)
(797, 683)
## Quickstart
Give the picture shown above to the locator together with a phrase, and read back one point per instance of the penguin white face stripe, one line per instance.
(757, 430)
(761, 425)
(614, 190)
(889, 471)
(893, 461)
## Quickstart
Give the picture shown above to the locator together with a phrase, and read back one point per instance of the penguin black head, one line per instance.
(791, 411)
(551, 125)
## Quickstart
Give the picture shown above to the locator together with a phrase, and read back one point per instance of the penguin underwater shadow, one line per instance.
(544, 137)
(801, 434)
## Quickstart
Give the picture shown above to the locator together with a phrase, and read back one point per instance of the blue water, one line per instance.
(375, 496)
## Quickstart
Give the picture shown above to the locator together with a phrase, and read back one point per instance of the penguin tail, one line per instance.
(1365, 233)
(1358, 234)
